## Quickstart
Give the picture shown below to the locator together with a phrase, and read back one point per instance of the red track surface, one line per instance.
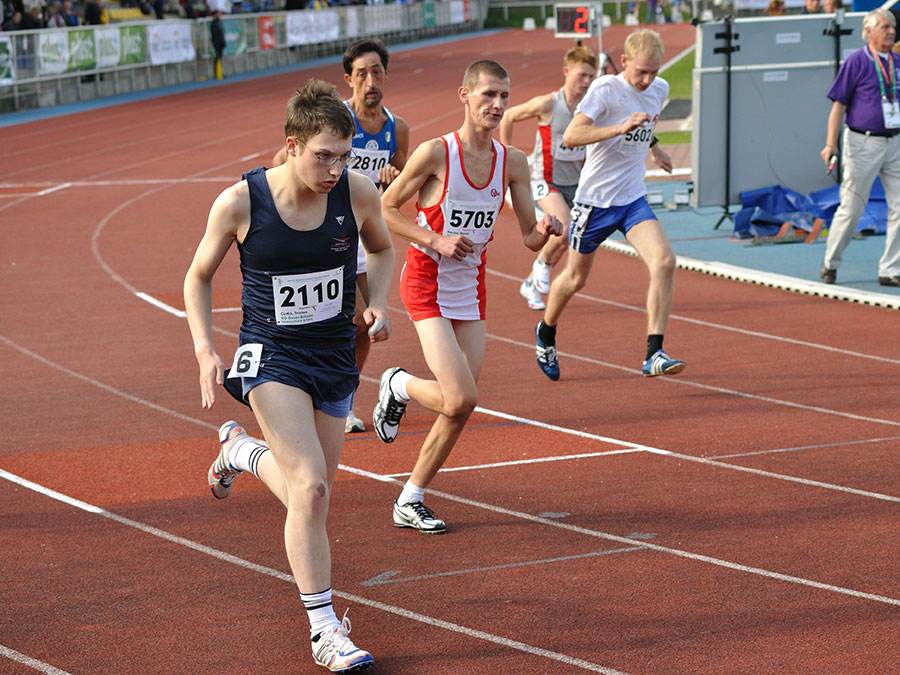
(750, 523)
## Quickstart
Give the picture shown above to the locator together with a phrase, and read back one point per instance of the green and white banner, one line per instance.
(131, 43)
(7, 71)
(109, 47)
(82, 50)
(235, 36)
(53, 52)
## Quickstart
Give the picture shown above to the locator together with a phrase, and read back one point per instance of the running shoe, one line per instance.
(546, 357)
(661, 364)
(389, 409)
(419, 517)
(528, 291)
(353, 424)
(334, 650)
(221, 474)
(540, 276)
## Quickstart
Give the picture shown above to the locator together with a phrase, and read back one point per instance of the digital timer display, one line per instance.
(573, 21)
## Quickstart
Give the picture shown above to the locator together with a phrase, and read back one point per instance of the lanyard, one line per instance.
(882, 76)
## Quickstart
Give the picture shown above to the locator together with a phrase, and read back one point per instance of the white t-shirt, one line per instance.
(613, 173)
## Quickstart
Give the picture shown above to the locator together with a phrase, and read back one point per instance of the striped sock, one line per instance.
(246, 455)
(320, 612)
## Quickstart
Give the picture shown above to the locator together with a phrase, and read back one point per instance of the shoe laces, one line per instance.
(338, 638)
(422, 511)
(394, 411)
(546, 354)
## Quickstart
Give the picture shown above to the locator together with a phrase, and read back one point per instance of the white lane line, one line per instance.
(524, 420)
(390, 577)
(39, 666)
(682, 381)
(461, 500)
(161, 305)
(719, 326)
(817, 446)
(268, 571)
(55, 188)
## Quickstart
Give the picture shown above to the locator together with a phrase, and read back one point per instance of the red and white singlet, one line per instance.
(432, 285)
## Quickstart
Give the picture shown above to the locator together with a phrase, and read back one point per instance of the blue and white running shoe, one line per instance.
(334, 650)
(546, 357)
(661, 364)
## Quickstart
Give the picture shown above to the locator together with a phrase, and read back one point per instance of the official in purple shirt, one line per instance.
(866, 93)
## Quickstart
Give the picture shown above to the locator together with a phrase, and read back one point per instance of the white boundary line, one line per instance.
(40, 666)
(268, 571)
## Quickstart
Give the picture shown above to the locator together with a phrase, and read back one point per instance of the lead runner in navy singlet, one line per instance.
(296, 227)
(380, 149)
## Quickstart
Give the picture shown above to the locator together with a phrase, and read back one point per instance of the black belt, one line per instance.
(880, 134)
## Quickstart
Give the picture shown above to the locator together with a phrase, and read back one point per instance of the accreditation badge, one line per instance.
(891, 111)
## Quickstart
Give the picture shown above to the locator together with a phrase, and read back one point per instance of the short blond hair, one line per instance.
(580, 54)
(644, 42)
(483, 67)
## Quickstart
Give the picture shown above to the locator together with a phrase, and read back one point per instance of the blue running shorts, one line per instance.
(591, 225)
(328, 374)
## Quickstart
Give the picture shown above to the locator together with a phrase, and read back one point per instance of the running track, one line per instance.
(740, 518)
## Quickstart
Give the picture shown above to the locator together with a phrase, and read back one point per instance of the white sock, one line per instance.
(320, 612)
(411, 493)
(245, 456)
(398, 385)
(539, 264)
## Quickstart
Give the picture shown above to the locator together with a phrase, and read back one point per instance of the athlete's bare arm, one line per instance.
(534, 234)
(379, 251)
(540, 107)
(581, 130)
(387, 174)
(228, 219)
(423, 174)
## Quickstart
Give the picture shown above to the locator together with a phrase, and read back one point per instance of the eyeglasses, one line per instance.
(329, 160)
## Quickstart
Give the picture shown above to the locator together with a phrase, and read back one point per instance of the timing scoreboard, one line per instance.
(575, 20)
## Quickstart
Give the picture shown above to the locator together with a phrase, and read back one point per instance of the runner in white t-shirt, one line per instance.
(615, 120)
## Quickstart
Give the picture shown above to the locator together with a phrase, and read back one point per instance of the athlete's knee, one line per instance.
(309, 496)
(662, 265)
(460, 405)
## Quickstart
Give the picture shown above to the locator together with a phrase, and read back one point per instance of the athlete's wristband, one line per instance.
(654, 141)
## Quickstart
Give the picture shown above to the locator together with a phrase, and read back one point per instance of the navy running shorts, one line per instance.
(591, 225)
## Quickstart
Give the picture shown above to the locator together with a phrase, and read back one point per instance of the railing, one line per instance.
(40, 68)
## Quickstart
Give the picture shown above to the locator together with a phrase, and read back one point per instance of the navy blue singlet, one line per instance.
(272, 248)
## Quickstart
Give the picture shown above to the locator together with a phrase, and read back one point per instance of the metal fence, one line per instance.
(47, 67)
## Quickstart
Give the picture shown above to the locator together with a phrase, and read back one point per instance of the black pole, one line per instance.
(835, 30)
(729, 36)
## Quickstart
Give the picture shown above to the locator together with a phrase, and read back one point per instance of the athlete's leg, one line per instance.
(652, 245)
(300, 470)
(555, 204)
(572, 279)
(454, 353)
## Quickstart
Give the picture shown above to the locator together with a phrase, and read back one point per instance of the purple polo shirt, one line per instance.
(856, 86)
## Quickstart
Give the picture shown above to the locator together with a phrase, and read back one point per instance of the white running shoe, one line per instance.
(540, 276)
(528, 291)
(419, 517)
(353, 424)
(221, 474)
(334, 650)
(389, 409)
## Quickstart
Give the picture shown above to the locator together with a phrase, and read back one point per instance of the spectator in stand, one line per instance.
(70, 14)
(32, 18)
(54, 15)
(776, 8)
(812, 7)
(830, 6)
(95, 13)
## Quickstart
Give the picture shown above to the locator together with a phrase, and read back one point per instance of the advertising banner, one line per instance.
(53, 52)
(109, 47)
(7, 73)
(82, 51)
(457, 11)
(429, 14)
(266, 27)
(235, 36)
(170, 42)
(131, 44)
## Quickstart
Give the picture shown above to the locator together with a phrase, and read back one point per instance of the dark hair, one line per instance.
(315, 107)
(360, 47)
